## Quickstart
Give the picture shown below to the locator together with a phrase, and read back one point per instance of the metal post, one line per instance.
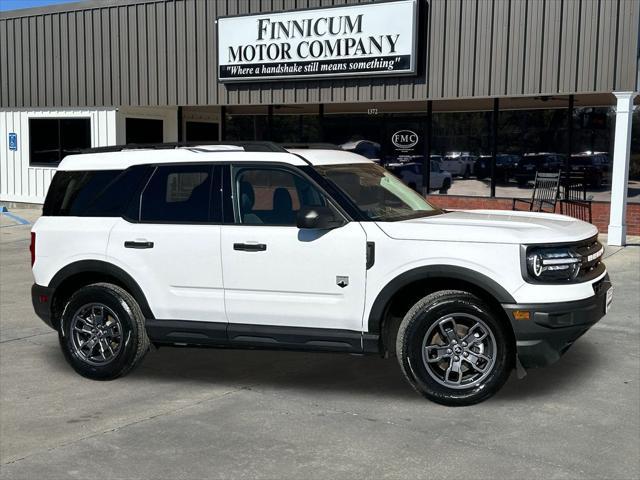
(426, 161)
(494, 144)
(270, 122)
(180, 129)
(321, 121)
(223, 123)
(567, 165)
(617, 233)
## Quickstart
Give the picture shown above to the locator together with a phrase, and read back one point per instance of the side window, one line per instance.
(271, 196)
(178, 194)
(72, 192)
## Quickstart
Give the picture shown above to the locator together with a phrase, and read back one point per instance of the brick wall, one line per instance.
(599, 210)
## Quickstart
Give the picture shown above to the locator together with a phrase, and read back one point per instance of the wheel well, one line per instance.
(407, 296)
(72, 284)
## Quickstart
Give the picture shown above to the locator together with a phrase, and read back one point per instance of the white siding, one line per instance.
(18, 181)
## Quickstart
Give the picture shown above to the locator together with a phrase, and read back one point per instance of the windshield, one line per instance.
(376, 192)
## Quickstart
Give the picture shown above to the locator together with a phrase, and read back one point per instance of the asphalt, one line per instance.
(192, 413)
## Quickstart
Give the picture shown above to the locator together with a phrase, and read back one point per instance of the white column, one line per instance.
(620, 169)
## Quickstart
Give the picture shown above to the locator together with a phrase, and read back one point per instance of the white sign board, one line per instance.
(355, 40)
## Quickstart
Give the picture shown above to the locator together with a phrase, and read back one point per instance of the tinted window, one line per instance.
(116, 197)
(273, 197)
(70, 193)
(51, 139)
(202, 132)
(144, 130)
(177, 193)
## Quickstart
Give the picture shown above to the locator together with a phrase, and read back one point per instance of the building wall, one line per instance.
(20, 182)
(158, 52)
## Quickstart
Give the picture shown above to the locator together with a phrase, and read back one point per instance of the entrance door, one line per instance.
(278, 275)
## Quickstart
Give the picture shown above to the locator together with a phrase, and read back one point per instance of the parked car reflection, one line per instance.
(460, 164)
(537, 162)
(411, 174)
(593, 165)
(506, 166)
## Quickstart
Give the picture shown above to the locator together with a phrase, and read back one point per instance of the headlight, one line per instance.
(553, 264)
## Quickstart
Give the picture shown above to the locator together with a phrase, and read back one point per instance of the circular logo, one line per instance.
(404, 139)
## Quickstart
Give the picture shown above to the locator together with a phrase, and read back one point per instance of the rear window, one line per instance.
(99, 193)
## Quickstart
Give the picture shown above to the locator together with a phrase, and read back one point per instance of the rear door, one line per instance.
(277, 275)
(172, 246)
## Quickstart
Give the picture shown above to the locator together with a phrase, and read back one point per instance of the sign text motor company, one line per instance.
(368, 39)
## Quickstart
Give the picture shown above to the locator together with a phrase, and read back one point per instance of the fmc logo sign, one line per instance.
(404, 139)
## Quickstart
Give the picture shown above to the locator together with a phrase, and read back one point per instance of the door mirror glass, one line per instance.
(318, 217)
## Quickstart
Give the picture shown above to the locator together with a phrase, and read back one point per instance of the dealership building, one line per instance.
(487, 82)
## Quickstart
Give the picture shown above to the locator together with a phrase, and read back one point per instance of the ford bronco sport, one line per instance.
(253, 246)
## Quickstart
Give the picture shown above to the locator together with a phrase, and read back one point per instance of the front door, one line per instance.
(280, 276)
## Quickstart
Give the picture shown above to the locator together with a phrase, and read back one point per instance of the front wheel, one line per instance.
(453, 349)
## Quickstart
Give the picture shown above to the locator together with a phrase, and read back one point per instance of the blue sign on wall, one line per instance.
(13, 141)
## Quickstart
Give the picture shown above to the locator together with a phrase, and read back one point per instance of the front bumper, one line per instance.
(553, 327)
(41, 300)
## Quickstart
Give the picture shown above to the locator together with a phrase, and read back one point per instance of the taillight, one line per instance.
(32, 248)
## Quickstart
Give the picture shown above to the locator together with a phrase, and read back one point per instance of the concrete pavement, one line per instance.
(191, 413)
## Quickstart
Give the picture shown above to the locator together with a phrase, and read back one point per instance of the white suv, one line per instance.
(229, 246)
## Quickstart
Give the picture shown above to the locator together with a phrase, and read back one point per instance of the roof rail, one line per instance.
(311, 146)
(248, 146)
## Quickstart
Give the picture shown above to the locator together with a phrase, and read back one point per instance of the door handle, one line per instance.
(250, 247)
(138, 245)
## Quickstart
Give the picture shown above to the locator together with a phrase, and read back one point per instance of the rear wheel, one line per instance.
(102, 332)
(453, 350)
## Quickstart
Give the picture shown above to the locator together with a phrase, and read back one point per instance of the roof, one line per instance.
(329, 157)
(121, 160)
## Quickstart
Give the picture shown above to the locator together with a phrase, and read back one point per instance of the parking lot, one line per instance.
(190, 413)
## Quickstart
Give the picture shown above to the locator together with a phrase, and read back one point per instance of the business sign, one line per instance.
(13, 141)
(355, 40)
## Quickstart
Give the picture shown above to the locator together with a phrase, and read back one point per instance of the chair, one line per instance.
(573, 197)
(546, 190)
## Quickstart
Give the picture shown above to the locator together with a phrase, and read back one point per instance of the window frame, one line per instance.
(230, 190)
(59, 120)
(214, 207)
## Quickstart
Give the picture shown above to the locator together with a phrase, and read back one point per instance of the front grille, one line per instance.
(591, 251)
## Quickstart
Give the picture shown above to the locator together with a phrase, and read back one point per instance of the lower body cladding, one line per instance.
(211, 334)
(546, 331)
(543, 332)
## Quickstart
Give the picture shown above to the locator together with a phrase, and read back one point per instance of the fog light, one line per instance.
(521, 315)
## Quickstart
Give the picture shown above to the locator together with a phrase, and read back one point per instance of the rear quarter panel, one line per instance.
(64, 240)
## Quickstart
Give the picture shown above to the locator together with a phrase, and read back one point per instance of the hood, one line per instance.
(491, 226)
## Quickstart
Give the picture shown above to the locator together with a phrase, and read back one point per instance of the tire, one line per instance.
(446, 185)
(110, 320)
(425, 326)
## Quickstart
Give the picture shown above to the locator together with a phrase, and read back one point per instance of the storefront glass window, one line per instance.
(462, 147)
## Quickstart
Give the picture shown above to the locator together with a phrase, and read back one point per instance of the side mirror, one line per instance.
(318, 217)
